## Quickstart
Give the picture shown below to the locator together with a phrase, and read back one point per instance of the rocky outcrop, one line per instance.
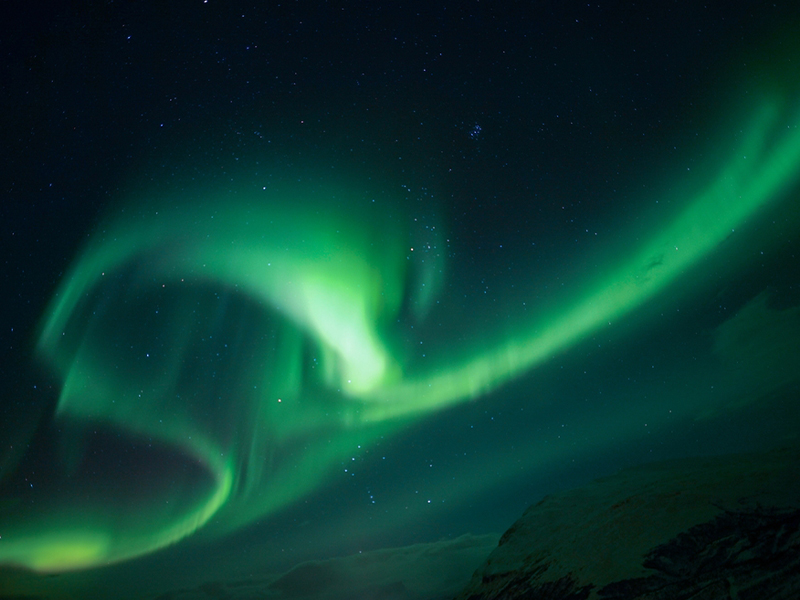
(696, 529)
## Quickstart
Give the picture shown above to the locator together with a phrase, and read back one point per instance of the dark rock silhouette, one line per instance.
(695, 529)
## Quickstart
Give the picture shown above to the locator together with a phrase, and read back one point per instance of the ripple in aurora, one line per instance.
(250, 339)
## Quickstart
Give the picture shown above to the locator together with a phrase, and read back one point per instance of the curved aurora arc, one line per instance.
(319, 291)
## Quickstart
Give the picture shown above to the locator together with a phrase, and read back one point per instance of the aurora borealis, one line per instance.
(334, 285)
(243, 345)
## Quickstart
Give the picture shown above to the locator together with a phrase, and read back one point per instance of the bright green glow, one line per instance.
(68, 549)
(756, 174)
(131, 335)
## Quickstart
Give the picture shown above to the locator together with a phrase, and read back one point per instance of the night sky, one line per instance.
(287, 282)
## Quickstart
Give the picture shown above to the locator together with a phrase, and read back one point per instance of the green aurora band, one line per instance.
(252, 340)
